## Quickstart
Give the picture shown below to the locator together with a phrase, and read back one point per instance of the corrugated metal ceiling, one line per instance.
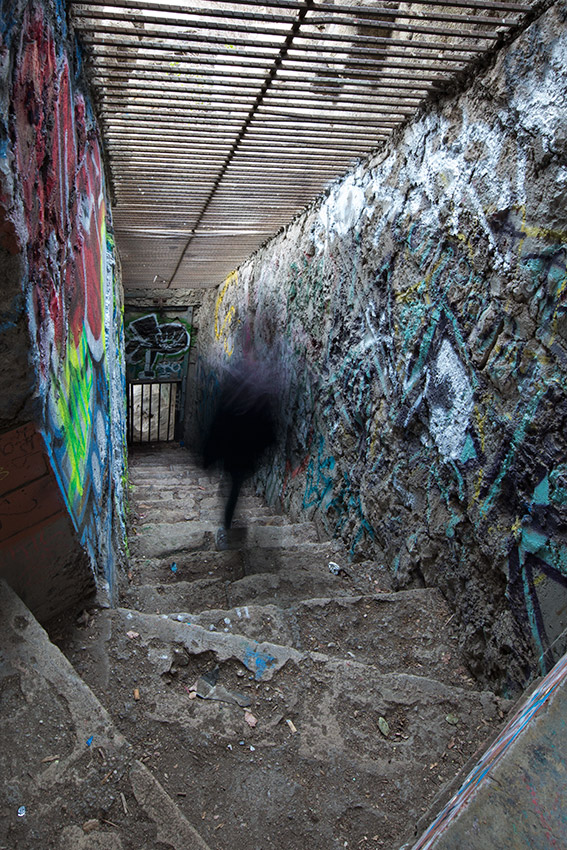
(222, 120)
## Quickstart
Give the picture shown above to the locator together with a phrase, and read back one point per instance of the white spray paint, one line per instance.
(343, 211)
(449, 425)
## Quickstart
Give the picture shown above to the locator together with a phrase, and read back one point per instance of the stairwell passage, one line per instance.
(281, 705)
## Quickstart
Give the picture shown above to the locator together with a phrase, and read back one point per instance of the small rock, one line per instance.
(250, 719)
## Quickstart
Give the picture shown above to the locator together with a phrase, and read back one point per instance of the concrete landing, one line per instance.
(516, 796)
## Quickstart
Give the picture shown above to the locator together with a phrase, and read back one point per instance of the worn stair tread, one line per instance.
(407, 631)
(284, 588)
(304, 554)
(336, 707)
(158, 599)
(147, 647)
(187, 566)
(64, 759)
(157, 487)
(179, 511)
(173, 496)
(239, 561)
(289, 586)
(234, 564)
(158, 539)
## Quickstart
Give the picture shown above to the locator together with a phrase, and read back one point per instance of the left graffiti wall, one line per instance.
(62, 419)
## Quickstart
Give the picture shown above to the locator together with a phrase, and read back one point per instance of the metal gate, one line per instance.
(153, 411)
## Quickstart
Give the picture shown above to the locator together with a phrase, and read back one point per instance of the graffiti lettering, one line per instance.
(223, 328)
(155, 347)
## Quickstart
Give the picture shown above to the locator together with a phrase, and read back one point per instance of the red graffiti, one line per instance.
(292, 473)
(59, 162)
(89, 181)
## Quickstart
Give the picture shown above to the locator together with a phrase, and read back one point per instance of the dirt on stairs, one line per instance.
(281, 696)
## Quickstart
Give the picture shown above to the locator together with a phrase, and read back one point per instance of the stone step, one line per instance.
(176, 496)
(231, 565)
(182, 468)
(291, 585)
(406, 632)
(150, 487)
(165, 540)
(162, 539)
(183, 510)
(194, 595)
(304, 555)
(202, 580)
(159, 454)
(339, 749)
(166, 472)
(70, 780)
(185, 566)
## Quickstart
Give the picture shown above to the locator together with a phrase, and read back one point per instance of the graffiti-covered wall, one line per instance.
(57, 223)
(157, 345)
(419, 316)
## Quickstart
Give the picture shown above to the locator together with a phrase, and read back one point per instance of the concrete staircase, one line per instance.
(276, 696)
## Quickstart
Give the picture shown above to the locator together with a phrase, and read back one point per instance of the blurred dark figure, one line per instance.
(243, 427)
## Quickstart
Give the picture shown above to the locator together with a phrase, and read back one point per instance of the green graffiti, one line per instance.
(541, 492)
(558, 485)
(74, 392)
(469, 451)
(517, 438)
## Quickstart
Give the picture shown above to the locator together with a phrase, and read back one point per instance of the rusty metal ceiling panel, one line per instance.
(222, 120)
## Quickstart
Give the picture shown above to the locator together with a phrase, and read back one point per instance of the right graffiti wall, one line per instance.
(418, 314)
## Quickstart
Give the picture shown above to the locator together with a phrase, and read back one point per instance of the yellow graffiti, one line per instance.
(3, 473)
(516, 529)
(465, 240)
(478, 486)
(409, 293)
(222, 330)
(480, 423)
(545, 233)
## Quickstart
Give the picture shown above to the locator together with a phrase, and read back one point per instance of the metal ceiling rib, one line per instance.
(221, 120)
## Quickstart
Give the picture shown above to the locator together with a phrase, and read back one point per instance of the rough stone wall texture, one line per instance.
(418, 312)
(61, 328)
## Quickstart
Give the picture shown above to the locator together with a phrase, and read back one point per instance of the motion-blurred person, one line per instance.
(243, 427)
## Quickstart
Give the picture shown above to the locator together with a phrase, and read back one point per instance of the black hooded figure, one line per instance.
(243, 427)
